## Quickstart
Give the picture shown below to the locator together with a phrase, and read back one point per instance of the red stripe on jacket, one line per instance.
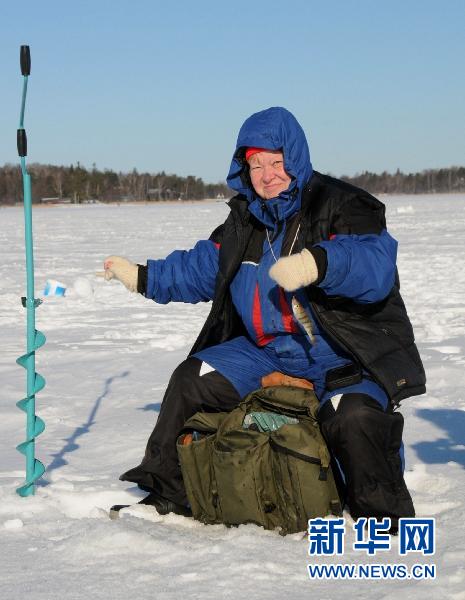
(257, 321)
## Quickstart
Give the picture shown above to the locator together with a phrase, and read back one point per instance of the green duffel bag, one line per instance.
(265, 462)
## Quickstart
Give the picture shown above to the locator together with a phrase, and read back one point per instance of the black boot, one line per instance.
(366, 441)
(162, 506)
(188, 392)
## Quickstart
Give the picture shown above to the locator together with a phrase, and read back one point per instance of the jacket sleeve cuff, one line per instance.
(142, 279)
(321, 259)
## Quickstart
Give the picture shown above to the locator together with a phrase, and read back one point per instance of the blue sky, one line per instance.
(165, 86)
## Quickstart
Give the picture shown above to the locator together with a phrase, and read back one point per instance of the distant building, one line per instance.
(55, 200)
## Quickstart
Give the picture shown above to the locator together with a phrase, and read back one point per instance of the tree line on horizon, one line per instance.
(429, 181)
(77, 184)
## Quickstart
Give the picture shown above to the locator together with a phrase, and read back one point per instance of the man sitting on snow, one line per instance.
(293, 238)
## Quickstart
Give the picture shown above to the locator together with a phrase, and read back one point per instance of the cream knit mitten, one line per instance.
(295, 271)
(122, 269)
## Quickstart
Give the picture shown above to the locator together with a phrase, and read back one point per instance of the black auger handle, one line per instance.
(25, 58)
(21, 142)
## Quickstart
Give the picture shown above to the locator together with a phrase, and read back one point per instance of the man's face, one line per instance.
(267, 173)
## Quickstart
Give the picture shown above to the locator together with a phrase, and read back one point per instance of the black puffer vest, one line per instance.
(379, 336)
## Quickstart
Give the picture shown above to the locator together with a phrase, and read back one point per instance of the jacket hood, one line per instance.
(275, 129)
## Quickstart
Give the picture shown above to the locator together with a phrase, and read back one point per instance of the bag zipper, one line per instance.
(310, 459)
(288, 412)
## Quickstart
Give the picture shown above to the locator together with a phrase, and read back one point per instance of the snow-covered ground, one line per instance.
(107, 360)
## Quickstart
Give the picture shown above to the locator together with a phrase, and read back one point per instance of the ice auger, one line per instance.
(35, 339)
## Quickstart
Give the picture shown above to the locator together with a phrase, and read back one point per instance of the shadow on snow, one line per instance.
(70, 442)
(154, 406)
(446, 449)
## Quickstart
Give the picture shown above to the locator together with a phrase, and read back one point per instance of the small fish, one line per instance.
(302, 318)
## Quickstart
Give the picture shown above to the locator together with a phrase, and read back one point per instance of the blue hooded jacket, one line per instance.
(361, 267)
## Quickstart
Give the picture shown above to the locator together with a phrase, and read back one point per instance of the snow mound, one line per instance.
(83, 287)
(405, 210)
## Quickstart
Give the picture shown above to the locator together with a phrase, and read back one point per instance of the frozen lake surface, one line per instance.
(107, 360)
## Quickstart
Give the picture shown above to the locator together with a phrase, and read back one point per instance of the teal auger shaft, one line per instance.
(35, 339)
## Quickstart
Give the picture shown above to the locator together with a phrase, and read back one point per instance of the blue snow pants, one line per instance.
(363, 434)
